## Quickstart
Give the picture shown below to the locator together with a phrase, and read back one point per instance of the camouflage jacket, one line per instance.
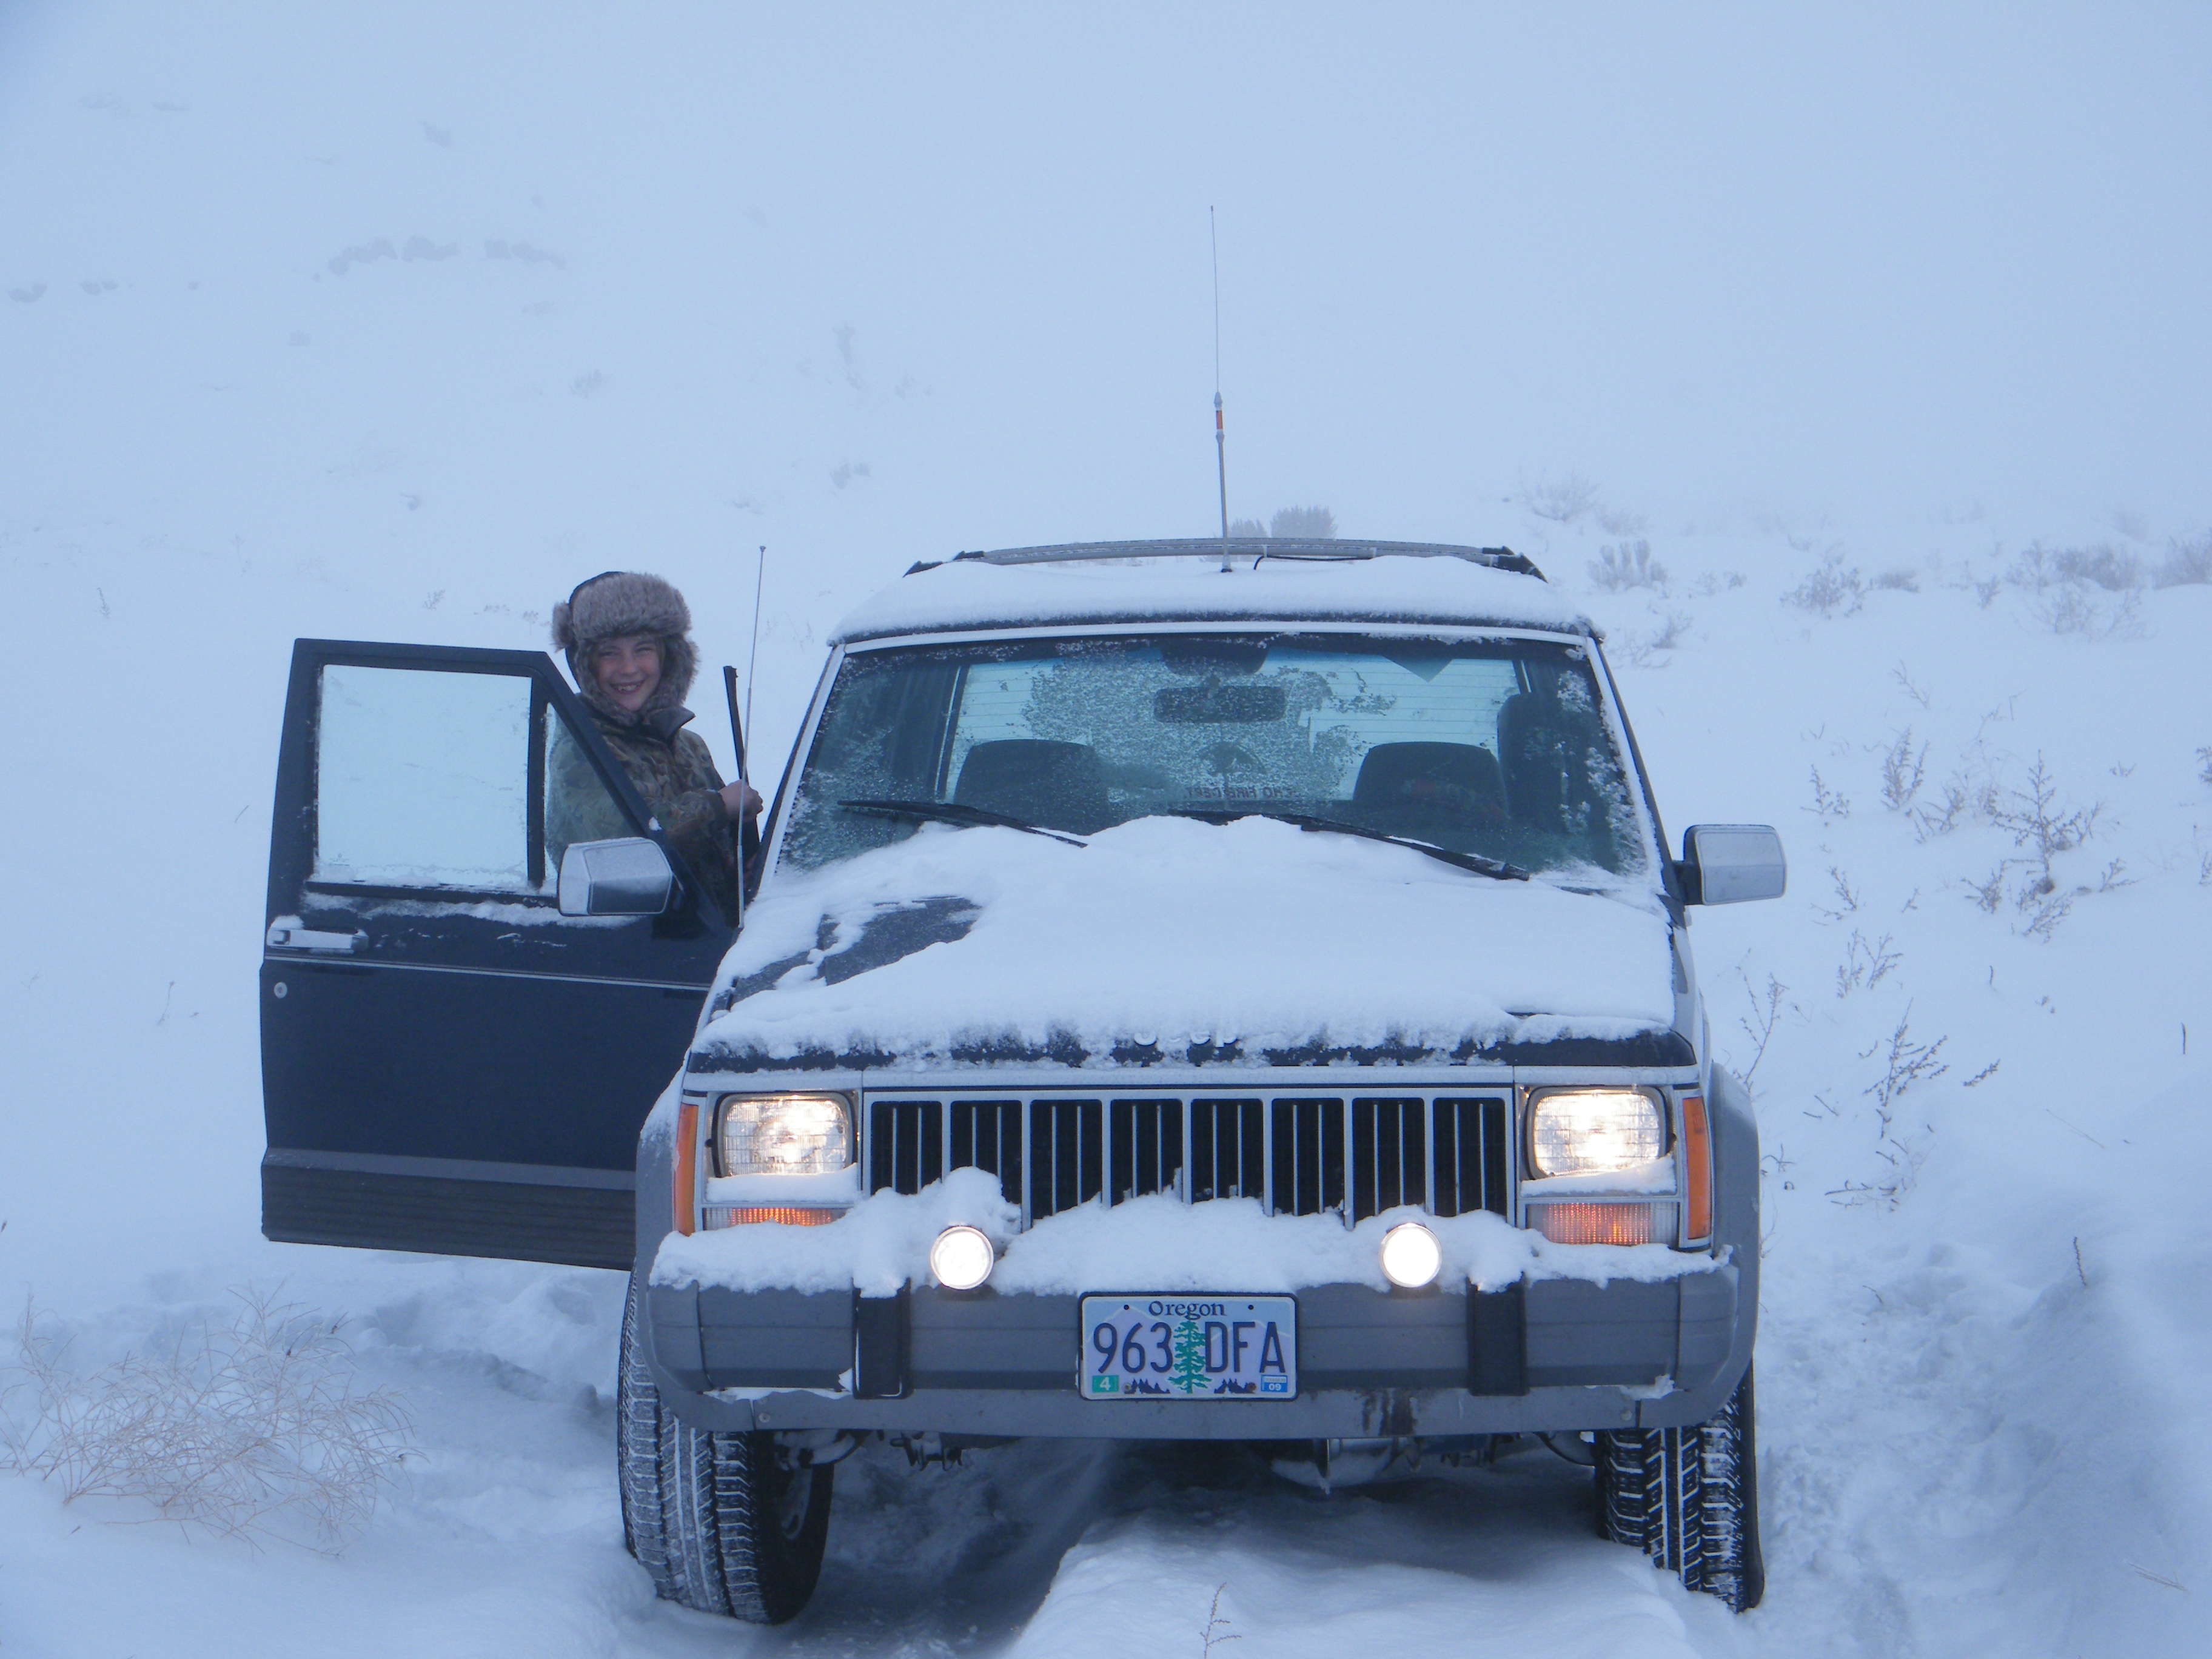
(671, 769)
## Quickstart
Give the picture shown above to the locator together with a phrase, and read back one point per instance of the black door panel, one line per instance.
(447, 1063)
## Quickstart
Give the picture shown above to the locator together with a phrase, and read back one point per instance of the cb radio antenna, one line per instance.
(1220, 437)
(752, 662)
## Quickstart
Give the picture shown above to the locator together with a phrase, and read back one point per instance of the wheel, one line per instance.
(722, 1521)
(1689, 1499)
(637, 1452)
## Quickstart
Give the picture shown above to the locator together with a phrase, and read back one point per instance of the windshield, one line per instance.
(1494, 747)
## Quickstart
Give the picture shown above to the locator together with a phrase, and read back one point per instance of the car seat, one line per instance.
(1057, 786)
(1545, 752)
(1427, 788)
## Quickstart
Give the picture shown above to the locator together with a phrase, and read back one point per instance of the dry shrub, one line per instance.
(1303, 524)
(1616, 569)
(1563, 501)
(2115, 570)
(2187, 563)
(1831, 587)
(243, 1427)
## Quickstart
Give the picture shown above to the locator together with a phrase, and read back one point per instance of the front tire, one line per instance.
(720, 1521)
(1689, 1499)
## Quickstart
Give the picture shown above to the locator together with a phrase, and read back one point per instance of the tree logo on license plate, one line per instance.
(1189, 1373)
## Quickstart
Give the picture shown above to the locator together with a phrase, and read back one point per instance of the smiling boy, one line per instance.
(626, 637)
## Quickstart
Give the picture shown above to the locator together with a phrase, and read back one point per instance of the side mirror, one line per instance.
(626, 878)
(1729, 863)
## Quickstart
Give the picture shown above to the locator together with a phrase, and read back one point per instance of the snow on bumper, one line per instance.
(1156, 1243)
(840, 1325)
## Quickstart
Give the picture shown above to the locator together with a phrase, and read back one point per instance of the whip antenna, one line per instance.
(1220, 437)
(759, 573)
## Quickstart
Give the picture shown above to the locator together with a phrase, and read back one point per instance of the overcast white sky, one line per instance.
(1874, 262)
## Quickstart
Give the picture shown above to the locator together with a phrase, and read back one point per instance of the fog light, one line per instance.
(1411, 1256)
(962, 1258)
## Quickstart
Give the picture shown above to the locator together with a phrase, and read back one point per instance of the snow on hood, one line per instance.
(1166, 933)
(1391, 589)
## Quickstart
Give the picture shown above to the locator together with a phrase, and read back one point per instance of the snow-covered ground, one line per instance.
(395, 327)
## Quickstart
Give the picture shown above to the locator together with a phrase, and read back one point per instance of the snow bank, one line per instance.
(1393, 589)
(1170, 931)
(1152, 1243)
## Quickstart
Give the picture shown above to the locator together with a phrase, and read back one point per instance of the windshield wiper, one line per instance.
(1498, 869)
(946, 811)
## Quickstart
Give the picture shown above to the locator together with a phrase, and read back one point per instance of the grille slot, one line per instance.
(1308, 1176)
(1228, 1150)
(987, 1135)
(1065, 1148)
(1388, 1164)
(1470, 1157)
(906, 1144)
(1299, 1155)
(1145, 1147)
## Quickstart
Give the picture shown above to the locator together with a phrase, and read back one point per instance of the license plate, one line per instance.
(1190, 1347)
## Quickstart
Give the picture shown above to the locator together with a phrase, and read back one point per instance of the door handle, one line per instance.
(288, 935)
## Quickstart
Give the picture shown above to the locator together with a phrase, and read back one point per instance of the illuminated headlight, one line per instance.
(1582, 1131)
(962, 1258)
(1411, 1256)
(784, 1134)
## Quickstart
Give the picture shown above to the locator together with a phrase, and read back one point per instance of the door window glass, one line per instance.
(422, 778)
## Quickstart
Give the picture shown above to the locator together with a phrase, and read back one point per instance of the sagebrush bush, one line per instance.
(1831, 587)
(1303, 524)
(1560, 500)
(1629, 565)
(2115, 570)
(2187, 563)
(242, 1427)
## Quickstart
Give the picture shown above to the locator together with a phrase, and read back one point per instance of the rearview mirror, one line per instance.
(626, 878)
(1729, 863)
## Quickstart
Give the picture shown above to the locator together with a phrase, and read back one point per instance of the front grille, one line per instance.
(987, 1135)
(1065, 1155)
(1350, 1155)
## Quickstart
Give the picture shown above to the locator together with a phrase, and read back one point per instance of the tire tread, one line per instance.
(1688, 1499)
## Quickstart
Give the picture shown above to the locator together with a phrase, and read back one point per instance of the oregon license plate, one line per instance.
(1190, 1347)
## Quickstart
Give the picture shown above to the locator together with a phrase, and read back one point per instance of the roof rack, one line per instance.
(1255, 548)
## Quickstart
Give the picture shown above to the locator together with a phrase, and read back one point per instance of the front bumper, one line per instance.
(1551, 1355)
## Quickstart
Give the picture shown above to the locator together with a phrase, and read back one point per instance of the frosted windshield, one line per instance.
(1497, 747)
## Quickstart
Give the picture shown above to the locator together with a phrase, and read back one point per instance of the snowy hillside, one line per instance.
(394, 329)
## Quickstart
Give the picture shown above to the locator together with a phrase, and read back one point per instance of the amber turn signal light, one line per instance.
(685, 1198)
(1596, 1224)
(788, 1215)
(1697, 1167)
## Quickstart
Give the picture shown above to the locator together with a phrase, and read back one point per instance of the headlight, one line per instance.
(1580, 1131)
(784, 1134)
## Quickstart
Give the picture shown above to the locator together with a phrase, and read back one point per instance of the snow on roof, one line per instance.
(1123, 583)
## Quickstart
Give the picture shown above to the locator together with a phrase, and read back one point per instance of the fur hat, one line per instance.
(620, 602)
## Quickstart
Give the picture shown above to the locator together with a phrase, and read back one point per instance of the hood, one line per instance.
(1168, 940)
